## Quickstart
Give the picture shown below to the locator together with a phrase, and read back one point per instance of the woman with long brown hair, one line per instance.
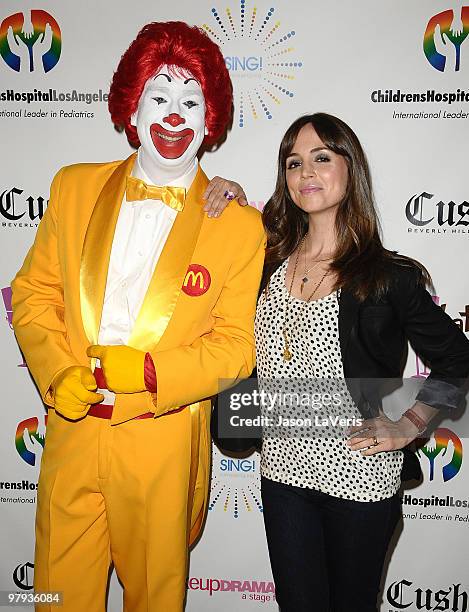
(336, 309)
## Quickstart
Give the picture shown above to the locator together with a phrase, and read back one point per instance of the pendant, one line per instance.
(304, 280)
(287, 355)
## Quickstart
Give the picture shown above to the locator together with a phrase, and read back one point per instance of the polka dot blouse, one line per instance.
(304, 437)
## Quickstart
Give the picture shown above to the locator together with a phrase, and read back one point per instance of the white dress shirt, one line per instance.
(141, 232)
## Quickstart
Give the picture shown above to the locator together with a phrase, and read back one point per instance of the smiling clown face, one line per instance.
(170, 119)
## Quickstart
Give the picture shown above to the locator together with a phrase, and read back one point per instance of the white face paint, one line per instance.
(170, 122)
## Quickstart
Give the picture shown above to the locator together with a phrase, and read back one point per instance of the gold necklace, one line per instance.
(287, 354)
(305, 278)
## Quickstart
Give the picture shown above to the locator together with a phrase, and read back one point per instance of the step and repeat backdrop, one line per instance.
(397, 71)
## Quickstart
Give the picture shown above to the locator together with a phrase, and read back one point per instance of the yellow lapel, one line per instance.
(97, 248)
(168, 276)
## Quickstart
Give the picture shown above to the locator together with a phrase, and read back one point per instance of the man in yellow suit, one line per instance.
(129, 308)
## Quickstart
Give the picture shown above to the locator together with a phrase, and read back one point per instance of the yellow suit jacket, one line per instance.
(195, 338)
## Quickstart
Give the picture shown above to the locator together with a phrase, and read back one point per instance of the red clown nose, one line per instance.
(174, 120)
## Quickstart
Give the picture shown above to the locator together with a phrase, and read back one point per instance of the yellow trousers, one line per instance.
(114, 494)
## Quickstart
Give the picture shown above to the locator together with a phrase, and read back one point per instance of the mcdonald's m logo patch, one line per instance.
(197, 280)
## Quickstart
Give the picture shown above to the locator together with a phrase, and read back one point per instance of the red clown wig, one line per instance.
(177, 44)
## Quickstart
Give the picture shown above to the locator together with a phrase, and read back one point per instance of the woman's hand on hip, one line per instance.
(381, 434)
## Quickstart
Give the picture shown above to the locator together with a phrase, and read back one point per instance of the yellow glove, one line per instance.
(123, 367)
(73, 392)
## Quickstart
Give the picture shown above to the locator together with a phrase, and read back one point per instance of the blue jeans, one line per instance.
(327, 553)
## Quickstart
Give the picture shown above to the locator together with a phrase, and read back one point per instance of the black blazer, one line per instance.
(373, 337)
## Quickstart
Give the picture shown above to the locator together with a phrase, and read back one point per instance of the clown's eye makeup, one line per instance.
(159, 99)
(191, 103)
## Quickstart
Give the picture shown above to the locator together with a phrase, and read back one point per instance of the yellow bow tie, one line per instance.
(137, 189)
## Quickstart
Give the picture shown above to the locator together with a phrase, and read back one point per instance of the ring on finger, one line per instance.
(375, 441)
(229, 195)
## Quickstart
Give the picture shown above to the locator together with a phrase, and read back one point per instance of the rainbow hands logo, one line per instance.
(259, 57)
(444, 453)
(29, 439)
(444, 36)
(30, 41)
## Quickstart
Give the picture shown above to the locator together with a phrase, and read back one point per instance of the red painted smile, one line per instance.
(170, 145)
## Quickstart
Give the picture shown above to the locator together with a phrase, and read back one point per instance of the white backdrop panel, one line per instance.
(285, 59)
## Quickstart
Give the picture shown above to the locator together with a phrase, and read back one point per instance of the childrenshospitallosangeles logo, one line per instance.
(445, 38)
(260, 55)
(30, 41)
(441, 458)
(446, 49)
(29, 439)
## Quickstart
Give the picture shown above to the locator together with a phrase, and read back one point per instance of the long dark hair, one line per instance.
(361, 262)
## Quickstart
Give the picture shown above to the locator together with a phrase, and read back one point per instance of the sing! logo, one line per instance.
(444, 36)
(29, 439)
(30, 41)
(260, 57)
(237, 465)
(444, 453)
(235, 486)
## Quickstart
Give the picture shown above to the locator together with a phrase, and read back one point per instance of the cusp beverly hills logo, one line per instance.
(30, 41)
(23, 576)
(405, 595)
(428, 214)
(20, 211)
(259, 54)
